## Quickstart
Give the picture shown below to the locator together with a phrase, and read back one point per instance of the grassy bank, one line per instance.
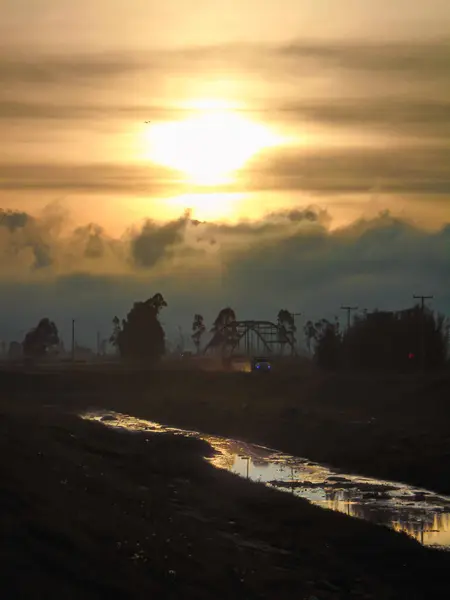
(88, 512)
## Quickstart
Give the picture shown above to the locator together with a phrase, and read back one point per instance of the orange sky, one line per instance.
(81, 78)
(288, 126)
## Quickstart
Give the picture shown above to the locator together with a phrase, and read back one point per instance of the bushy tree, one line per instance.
(141, 336)
(225, 317)
(41, 339)
(223, 328)
(326, 340)
(393, 340)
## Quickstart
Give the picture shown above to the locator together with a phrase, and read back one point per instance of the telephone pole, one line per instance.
(180, 333)
(422, 328)
(293, 315)
(349, 311)
(73, 340)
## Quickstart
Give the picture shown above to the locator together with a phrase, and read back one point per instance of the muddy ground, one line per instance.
(391, 426)
(94, 513)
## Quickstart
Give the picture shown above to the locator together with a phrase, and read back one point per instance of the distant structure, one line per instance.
(250, 338)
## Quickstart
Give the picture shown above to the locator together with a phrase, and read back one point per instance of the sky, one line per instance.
(296, 157)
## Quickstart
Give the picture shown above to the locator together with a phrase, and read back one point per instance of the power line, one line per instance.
(349, 311)
(422, 328)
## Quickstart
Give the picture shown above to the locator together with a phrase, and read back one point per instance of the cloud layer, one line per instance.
(367, 112)
(369, 119)
(289, 259)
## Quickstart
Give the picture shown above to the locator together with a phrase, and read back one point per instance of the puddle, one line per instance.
(420, 513)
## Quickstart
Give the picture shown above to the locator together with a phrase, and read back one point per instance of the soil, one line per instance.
(90, 512)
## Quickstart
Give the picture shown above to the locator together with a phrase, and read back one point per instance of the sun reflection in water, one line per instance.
(420, 514)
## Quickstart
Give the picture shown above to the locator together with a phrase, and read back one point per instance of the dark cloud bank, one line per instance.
(289, 259)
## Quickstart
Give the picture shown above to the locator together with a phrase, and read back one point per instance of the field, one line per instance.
(390, 426)
(93, 513)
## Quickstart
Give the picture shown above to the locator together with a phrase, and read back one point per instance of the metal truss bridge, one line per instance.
(251, 338)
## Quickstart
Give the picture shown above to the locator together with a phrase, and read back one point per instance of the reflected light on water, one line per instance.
(419, 513)
(381, 502)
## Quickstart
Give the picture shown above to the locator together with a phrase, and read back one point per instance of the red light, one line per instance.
(411, 355)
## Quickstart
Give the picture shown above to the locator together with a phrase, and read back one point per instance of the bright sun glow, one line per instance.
(208, 147)
(208, 207)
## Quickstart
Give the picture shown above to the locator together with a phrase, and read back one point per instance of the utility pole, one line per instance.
(73, 340)
(349, 311)
(422, 328)
(98, 343)
(181, 346)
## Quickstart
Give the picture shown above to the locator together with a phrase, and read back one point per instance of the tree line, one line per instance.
(140, 335)
(402, 340)
(378, 340)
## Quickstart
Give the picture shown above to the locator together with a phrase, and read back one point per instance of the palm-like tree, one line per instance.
(198, 328)
(286, 325)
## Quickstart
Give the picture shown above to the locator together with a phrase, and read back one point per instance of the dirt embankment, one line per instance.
(88, 512)
(394, 427)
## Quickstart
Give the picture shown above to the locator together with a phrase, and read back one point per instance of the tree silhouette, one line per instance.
(41, 339)
(222, 333)
(393, 340)
(382, 340)
(198, 327)
(327, 340)
(310, 334)
(286, 325)
(114, 339)
(158, 302)
(225, 317)
(141, 336)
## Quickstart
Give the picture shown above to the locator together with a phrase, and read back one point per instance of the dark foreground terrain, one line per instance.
(389, 426)
(88, 512)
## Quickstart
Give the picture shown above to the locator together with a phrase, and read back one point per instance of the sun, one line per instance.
(205, 207)
(209, 146)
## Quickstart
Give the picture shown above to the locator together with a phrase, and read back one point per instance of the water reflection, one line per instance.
(421, 514)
